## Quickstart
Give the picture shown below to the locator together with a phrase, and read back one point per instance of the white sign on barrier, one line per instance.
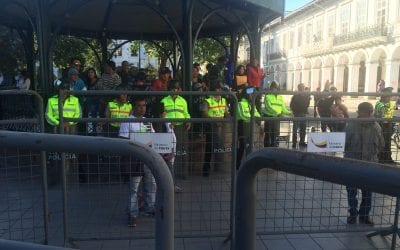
(161, 142)
(326, 142)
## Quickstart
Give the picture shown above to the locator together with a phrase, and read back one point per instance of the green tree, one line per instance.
(12, 52)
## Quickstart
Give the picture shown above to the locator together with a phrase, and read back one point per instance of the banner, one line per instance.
(162, 143)
(326, 142)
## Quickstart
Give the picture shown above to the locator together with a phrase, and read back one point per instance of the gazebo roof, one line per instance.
(139, 19)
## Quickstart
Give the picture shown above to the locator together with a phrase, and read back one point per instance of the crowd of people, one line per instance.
(246, 80)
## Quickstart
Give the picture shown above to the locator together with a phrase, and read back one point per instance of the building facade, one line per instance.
(350, 43)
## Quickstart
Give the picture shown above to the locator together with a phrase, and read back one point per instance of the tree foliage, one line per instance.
(12, 52)
(67, 47)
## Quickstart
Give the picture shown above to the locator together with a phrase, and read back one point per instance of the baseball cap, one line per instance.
(72, 71)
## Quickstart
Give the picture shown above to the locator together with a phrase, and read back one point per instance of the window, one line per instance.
(361, 13)
(331, 24)
(284, 42)
(248, 54)
(319, 27)
(345, 19)
(291, 39)
(300, 36)
(118, 52)
(381, 11)
(272, 44)
(308, 33)
(266, 51)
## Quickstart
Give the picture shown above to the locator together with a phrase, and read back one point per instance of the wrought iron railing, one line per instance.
(361, 34)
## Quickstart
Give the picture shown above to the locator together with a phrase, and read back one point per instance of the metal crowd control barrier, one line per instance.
(373, 176)
(164, 225)
(17, 245)
(14, 119)
(200, 197)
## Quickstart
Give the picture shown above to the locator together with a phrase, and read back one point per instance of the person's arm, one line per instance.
(124, 130)
(187, 115)
(204, 112)
(268, 106)
(51, 118)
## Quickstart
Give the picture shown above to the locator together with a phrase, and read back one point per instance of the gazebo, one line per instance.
(181, 21)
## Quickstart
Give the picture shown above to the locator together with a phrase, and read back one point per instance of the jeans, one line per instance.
(149, 192)
(301, 126)
(365, 205)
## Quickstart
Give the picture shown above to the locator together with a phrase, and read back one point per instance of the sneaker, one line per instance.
(351, 220)
(365, 220)
(132, 221)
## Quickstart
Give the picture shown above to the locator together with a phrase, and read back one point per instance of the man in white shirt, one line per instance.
(135, 169)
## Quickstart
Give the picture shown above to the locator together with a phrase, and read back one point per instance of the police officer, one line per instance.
(214, 107)
(384, 108)
(120, 107)
(71, 109)
(274, 107)
(175, 106)
(243, 117)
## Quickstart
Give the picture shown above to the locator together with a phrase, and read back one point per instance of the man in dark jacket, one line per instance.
(299, 106)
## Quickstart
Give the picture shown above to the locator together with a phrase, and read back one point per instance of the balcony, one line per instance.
(372, 33)
(277, 55)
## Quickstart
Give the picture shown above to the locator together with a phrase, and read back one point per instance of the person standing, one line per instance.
(299, 105)
(134, 169)
(243, 116)
(71, 109)
(384, 108)
(214, 107)
(364, 141)
(274, 107)
(339, 112)
(120, 107)
(176, 107)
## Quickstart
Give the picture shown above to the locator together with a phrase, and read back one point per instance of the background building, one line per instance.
(351, 43)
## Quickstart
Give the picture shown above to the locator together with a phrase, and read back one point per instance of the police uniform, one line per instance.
(117, 110)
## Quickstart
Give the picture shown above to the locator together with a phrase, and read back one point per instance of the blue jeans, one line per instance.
(366, 201)
(148, 190)
(301, 126)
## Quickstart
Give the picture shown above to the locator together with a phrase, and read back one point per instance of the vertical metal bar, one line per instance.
(43, 33)
(395, 225)
(233, 170)
(187, 12)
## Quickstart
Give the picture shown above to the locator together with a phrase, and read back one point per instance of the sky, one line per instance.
(294, 4)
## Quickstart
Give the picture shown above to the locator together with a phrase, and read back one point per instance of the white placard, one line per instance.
(326, 142)
(161, 142)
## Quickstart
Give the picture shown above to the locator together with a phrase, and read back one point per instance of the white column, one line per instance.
(392, 74)
(354, 71)
(339, 74)
(370, 80)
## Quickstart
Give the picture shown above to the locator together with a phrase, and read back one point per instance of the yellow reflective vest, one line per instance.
(275, 106)
(216, 109)
(175, 108)
(244, 111)
(119, 111)
(71, 109)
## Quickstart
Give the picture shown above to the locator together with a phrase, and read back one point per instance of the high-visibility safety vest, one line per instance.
(119, 111)
(216, 109)
(275, 106)
(244, 111)
(71, 109)
(175, 108)
(383, 110)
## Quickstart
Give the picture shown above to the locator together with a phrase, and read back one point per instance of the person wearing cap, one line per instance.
(214, 107)
(175, 106)
(74, 81)
(161, 84)
(71, 109)
(274, 107)
(364, 141)
(384, 108)
(243, 116)
(120, 107)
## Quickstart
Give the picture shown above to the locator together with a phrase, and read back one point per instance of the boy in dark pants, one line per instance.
(364, 141)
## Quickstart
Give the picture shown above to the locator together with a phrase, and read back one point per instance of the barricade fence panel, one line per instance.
(22, 193)
(98, 192)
